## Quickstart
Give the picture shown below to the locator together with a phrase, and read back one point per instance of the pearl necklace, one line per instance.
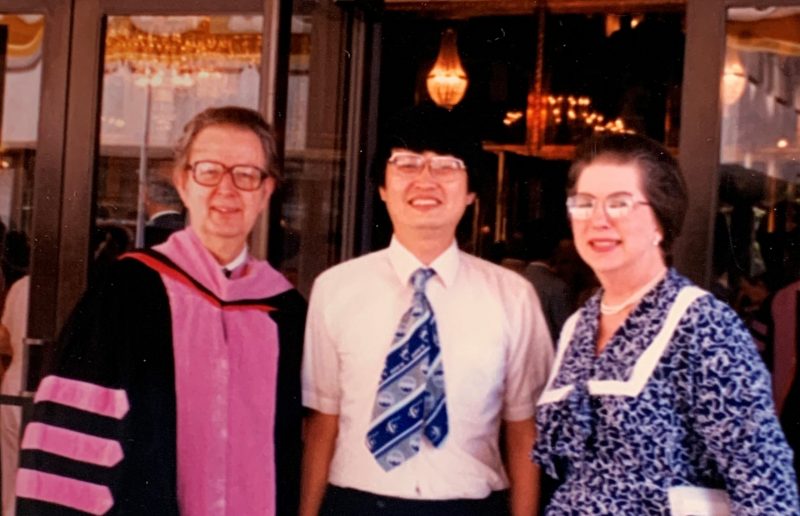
(615, 309)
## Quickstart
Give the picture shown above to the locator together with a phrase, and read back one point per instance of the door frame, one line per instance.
(46, 234)
(699, 144)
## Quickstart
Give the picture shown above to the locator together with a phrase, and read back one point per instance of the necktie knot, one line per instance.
(420, 278)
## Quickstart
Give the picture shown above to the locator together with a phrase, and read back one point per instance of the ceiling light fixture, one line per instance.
(734, 78)
(447, 81)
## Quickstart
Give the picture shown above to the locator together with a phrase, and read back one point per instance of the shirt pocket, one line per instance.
(474, 358)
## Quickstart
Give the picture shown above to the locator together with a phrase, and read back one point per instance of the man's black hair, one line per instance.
(430, 128)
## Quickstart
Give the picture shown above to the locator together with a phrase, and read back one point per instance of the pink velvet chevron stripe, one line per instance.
(73, 445)
(84, 396)
(75, 494)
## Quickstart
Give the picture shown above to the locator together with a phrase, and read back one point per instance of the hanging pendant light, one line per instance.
(734, 77)
(447, 81)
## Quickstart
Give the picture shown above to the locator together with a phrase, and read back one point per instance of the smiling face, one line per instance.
(222, 216)
(626, 246)
(422, 206)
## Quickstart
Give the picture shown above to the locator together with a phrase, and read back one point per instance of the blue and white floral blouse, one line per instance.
(674, 416)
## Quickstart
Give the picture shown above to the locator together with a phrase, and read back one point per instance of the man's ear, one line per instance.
(382, 193)
(269, 188)
(470, 198)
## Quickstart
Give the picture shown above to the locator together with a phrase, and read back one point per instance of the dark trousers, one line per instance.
(340, 501)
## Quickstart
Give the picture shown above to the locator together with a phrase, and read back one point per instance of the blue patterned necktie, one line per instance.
(411, 401)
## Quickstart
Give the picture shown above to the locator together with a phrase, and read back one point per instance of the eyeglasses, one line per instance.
(210, 173)
(616, 206)
(409, 164)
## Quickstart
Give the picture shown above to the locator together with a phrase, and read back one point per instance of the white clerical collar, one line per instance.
(236, 262)
(405, 263)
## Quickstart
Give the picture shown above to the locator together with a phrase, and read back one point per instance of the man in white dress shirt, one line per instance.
(493, 343)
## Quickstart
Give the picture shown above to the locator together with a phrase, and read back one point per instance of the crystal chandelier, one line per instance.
(447, 81)
(178, 47)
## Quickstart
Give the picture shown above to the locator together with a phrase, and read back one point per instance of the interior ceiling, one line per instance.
(469, 8)
(780, 35)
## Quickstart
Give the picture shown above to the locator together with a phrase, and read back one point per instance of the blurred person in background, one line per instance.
(13, 330)
(554, 294)
(164, 211)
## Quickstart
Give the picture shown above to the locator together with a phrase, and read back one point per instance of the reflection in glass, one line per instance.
(159, 72)
(21, 39)
(306, 237)
(757, 235)
(610, 73)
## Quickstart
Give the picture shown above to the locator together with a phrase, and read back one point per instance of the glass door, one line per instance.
(740, 143)
(161, 65)
(328, 115)
(756, 252)
(159, 71)
(32, 113)
(140, 70)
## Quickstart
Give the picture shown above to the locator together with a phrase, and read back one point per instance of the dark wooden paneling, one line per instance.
(471, 8)
(79, 157)
(699, 138)
(762, 4)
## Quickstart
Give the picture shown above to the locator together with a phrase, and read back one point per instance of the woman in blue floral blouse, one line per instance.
(658, 402)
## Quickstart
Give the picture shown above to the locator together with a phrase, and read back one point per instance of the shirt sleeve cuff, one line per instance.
(314, 401)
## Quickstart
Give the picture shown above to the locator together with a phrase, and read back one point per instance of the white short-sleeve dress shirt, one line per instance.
(496, 354)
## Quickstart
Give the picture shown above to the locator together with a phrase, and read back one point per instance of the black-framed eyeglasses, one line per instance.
(210, 173)
(410, 164)
(616, 206)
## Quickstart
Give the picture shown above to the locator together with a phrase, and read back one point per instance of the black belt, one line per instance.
(342, 501)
